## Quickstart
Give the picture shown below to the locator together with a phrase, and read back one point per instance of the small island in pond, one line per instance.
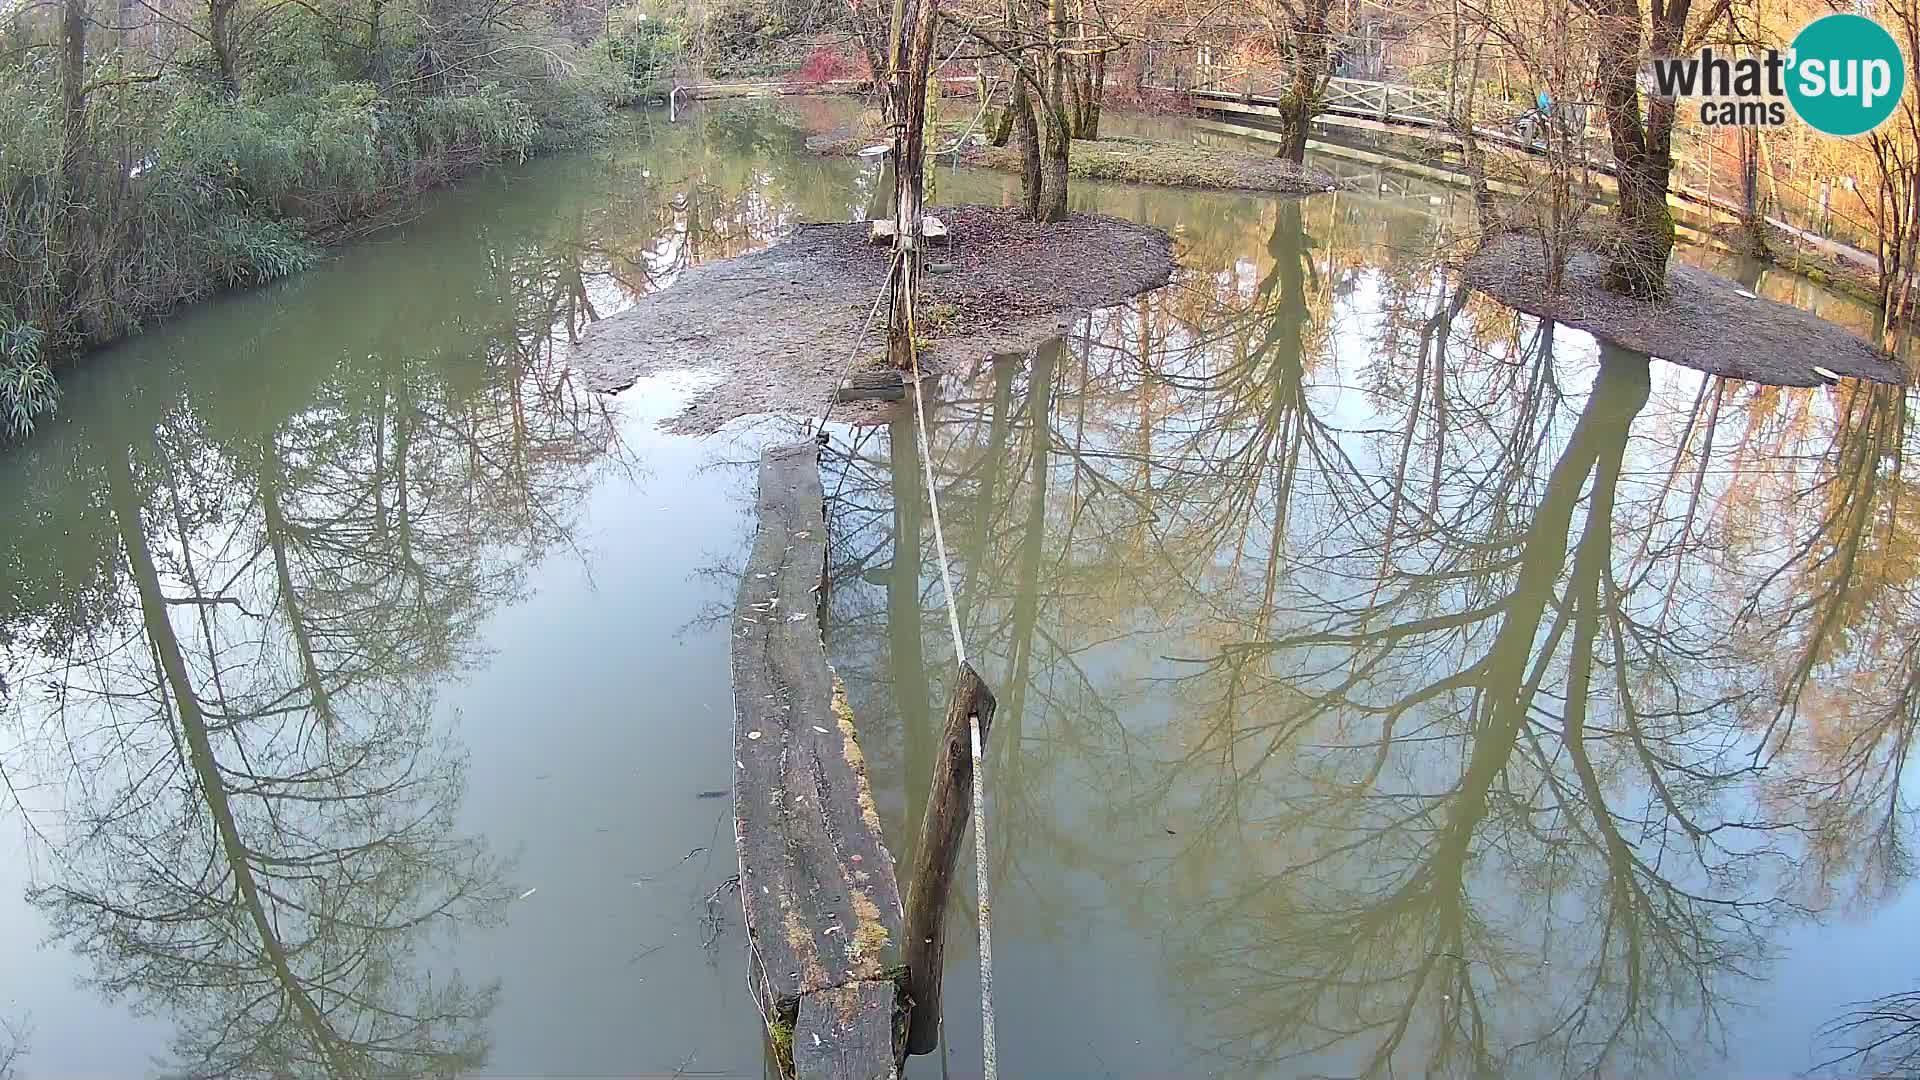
(782, 326)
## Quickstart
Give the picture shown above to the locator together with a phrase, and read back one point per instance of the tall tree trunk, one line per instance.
(1309, 78)
(1642, 152)
(1753, 219)
(1097, 86)
(220, 40)
(1028, 126)
(1059, 143)
(912, 57)
(1001, 131)
(1076, 96)
(376, 26)
(70, 217)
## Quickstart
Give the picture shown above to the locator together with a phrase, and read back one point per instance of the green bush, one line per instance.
(248, 251)
(27, 389)
(188, 191)
(736, 27)
(645, 46)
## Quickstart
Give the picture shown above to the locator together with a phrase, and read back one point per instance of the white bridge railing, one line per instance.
(1427, 113)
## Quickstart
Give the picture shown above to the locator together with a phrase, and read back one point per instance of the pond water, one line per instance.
(1389, 684)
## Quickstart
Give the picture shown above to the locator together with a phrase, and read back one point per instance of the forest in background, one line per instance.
(158, 151)
(155, 152)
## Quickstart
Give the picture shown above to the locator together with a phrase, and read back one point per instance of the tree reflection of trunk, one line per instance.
(1009, 725)
(1872, 429)
(986, 507)
(1375, 919)
(1286, 345)
(404, 419)
(272, 480)
(213, 787)
(1503, 685)
(905, 649)
(378, 481)
(1147, 371)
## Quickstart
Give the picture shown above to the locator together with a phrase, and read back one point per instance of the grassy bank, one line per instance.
(1143, 161)
(154, 167)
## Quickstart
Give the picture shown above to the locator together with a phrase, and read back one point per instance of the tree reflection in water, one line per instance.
(254, 795)
(1506, 725)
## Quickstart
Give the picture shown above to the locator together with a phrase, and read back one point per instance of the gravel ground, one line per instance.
(1707, 322)
(779, 325)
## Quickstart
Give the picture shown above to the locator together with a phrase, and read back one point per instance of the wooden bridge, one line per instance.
(1427, 115)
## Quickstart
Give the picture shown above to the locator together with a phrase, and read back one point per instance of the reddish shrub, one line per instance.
(823, 65)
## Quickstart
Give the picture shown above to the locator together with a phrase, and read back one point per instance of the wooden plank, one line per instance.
(817, 886)
(949, 805)
(849, 1032)
(881, 230)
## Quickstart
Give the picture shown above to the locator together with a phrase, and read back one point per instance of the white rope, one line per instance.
(989, 1066)
(933, 501)
(846, 367)
(988, 1056)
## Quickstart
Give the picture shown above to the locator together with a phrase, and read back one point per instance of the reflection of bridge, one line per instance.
(1420, 113)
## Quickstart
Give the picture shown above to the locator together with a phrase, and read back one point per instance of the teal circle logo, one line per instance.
(1845, 74)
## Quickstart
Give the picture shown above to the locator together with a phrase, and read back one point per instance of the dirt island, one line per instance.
(782, 326)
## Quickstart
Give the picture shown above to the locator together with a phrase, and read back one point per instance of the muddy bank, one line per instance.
(779, 325)
(1707, 322)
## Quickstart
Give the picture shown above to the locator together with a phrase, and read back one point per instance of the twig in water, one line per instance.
(662, 873)
(714, 921)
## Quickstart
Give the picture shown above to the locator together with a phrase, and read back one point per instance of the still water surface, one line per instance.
(1390, 684)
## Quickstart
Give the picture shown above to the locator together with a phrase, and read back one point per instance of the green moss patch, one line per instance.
(1142, 161)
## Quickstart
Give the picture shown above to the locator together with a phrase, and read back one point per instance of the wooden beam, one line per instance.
(949, 805)
(817, 887)
(848, 1033)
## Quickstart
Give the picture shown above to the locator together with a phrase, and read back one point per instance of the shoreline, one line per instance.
(1707, 322)
(782, 326)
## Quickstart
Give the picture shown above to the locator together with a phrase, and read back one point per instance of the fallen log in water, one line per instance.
(934, 860)
(817, 886)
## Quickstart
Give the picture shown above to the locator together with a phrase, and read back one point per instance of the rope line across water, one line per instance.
(989, 1058)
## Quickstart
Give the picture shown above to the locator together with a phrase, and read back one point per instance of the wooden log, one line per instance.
(880, 385)
(949, 805)
(817, 886)
(849, 1032)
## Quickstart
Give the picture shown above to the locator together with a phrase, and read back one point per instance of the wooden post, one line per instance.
(907, 88)
(949, 805)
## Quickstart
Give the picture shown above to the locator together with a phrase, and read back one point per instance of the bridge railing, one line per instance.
(1802, 206)
(1401, 105)
(1387, 101)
